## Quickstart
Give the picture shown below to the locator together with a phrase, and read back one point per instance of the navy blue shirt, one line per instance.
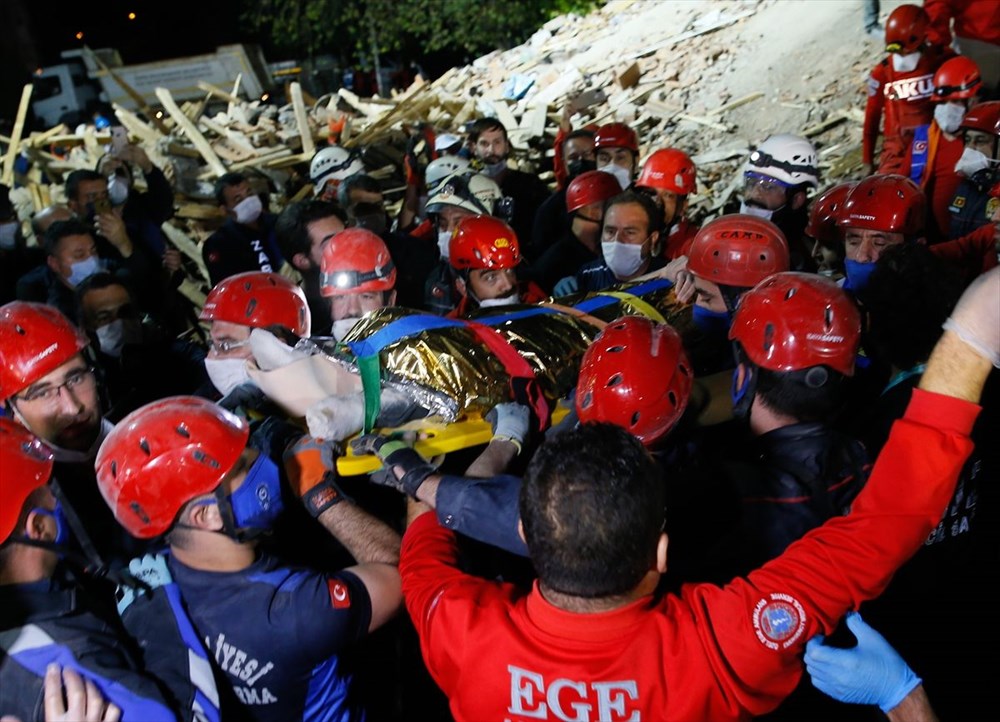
(277, 633)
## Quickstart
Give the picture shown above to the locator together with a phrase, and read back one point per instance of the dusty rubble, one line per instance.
(673, 85)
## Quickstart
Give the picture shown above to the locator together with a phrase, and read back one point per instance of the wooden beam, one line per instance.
(193, 133)
(302, 120)
(218, 92)
(131, 92)
(736, 103)
(15, 136)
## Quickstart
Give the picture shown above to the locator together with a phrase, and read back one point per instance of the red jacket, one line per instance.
(976, 19)
(905, 98)
(974, 254)
(709, 653)
(679, 239)
(939, 181)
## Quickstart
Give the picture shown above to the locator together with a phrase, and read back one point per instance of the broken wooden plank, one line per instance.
(736, 103)
(136, 126)
(218, 92)
(193, 134)
(628, 76)
(818, 128)
(15, 137)
(708, 122)
(130, 91)
(302, 120)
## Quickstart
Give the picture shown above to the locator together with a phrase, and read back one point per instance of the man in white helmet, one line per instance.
(329, 167)
(777, 178)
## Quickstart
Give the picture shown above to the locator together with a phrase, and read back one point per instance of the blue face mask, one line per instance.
(62, 523)
(82, 270)
(858, 274)
(257, 503)
(711, 323)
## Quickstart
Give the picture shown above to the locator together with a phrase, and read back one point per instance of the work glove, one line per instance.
(976, 317)
(566, 286)
(311, 465)
(395, 452)
(145, 574)
(510, 423)
(870, 673)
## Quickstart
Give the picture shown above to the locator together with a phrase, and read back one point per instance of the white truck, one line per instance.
(71, 91)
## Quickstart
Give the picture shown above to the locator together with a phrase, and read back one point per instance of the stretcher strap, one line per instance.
(637, 303)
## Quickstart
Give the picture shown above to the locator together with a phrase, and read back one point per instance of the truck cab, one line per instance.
(63, 94)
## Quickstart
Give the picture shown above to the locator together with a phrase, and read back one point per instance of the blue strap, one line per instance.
(903, 376)
(919, 152)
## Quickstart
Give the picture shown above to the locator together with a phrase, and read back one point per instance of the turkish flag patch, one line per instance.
(340, 597)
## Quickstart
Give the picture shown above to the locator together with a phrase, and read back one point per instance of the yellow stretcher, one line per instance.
(436, 440)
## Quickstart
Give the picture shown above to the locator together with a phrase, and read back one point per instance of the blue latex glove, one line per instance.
(870, 673)
(149, 572)
(566, 286)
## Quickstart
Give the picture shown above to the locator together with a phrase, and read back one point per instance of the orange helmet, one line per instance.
(27, 465)
(35, 340)
(636, 375)
(669, 169)
(906, 29)
(616, 135)
(738, 250)
(483, 242)
(164, 454)
(593, 186)
(957, 79)
(258, 299)
(823, 213)
(794, 321)
(356, 261)
(888, 203)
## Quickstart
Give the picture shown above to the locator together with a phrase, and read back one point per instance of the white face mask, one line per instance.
(514, 297)
(756, 211)
(342, 327)
(84, 269)
(949, 116)
(117, 335)
(624, 259)
(248, 210)
(905, 63)
(8, 235)
(227, 373)
(117, 190)
(971, 162)
(444, 238)
(622, 175)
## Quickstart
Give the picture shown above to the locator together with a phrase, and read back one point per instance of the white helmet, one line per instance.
(472, 191)
(786, 157)
(333, 163)
(440, 168)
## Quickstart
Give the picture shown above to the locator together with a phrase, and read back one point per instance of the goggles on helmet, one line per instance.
(347, 279)
(762, 159)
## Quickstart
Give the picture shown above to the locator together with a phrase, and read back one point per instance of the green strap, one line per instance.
(371, 381)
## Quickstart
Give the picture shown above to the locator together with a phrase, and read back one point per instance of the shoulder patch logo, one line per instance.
(778, 621)
(340, 598)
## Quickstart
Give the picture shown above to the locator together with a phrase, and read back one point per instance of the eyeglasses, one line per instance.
(225, 346)
(767, 184)
(79, 379)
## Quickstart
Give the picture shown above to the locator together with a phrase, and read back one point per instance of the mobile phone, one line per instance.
(119, 139)
(102, 205)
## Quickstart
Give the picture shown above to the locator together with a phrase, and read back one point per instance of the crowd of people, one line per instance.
(777, 505)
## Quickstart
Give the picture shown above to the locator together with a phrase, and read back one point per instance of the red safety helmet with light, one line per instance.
(481, 242)
(738, 250)
(164, 454)
(669, 169)
(957, 79)
(906, 29)
(259, 299)
(636, 375)
(356, 261)
(824, 212)
(795, 321)
(887, 203)
(35, 340)
(26, 464)
(593, 186)
(616, 135)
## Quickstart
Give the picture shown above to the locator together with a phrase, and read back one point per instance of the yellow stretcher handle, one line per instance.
(440, 439)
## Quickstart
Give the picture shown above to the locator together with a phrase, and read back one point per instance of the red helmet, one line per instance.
(823, 213)
(635, 375)
(738, 250)
(593, 186)
(984, 117)
(483, 242)
(35, 339)
(27, 465)
(888, 203)
(906, 29)
(164, 454)
(957, 79)
(794, 321)
(356, 261)
(669, 169)
(258, 299)
(995, 190)
(616, 135)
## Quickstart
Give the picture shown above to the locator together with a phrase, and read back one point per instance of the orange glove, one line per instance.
(311, 465)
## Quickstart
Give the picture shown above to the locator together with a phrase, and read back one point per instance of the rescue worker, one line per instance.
(182, 467)
(574, 156)
(976, 34)
(978, 251)
(329, 167)
(358, 276)
(630, 243)
(828, 243)
(616, 147)
(979, 168)
(670, 175)
(900, 89)
(484, 255)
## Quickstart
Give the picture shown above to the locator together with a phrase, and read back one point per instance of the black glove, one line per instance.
(395, 452)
